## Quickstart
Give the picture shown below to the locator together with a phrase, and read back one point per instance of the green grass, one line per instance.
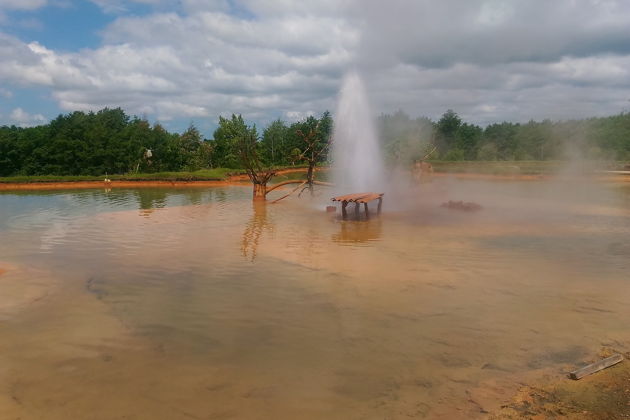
(499, 167)
(216, 174)
(525, 167)
(201, 175)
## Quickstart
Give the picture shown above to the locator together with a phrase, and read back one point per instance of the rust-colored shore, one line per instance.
(234, 180)
(524, 177)
(477, 176)
(240, 180)
(68, 185)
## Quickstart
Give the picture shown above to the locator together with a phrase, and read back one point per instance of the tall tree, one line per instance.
(446, 130)
(316, 140)
(274, 143)
(243, 140)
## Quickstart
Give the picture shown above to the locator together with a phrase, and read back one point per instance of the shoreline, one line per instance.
(528, 177)
(601, 396)
(238, 180)
(242, 180)
(71, 185)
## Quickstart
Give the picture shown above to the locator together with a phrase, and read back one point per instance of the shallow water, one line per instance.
(197, 303)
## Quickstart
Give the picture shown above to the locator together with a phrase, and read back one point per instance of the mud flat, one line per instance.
(604, 395)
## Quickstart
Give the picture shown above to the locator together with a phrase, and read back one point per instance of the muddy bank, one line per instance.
(242, 180)
(601, 396)
(525, 177)
(233, 180)
(65, 185)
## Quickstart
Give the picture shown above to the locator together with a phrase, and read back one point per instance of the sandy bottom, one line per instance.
(20, 287)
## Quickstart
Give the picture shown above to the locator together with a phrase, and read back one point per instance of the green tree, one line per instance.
(446, 131)
(275, 138)
(243, 142)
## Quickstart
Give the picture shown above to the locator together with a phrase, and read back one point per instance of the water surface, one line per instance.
(197, 303)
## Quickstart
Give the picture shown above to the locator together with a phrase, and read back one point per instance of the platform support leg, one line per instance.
(357, 206)
(344, 213)
(367, 213)
(380, 204)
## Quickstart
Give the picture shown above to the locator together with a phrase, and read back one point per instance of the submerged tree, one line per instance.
(243, 141)
(247, 150)
(315, 135)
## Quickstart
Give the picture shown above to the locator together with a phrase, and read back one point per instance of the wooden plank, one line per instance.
(349, 197)
(358, 197)
(370, 197)
(596, 367)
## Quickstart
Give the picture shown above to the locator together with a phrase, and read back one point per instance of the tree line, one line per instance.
(110, 141)
(405, 139)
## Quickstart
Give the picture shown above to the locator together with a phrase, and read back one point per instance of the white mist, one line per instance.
(357, 160)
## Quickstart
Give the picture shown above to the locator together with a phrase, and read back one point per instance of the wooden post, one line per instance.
(596, 367)
(344, 214)
(367, 214)
(380, 203)
(357, 206)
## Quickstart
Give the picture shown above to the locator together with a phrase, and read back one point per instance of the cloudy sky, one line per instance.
(183, 61)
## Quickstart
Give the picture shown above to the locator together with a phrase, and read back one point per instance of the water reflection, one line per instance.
(153, 198)
(254, 228)
(352, 232)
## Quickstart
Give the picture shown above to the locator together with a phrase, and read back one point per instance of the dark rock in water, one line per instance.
(460, 205)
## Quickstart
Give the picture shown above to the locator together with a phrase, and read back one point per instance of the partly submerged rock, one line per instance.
(461, 205)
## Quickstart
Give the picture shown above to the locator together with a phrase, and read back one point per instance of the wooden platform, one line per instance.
(358, 199)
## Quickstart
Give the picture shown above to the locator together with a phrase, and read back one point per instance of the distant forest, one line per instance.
(110, 141)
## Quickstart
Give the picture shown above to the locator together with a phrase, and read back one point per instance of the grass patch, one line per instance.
(499, 167)
(216, 174)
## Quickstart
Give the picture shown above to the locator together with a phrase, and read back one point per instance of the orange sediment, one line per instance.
(113, 184)
(234, 180)
(239, 180)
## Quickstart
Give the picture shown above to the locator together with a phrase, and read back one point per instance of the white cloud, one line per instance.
(487, 59)
(120, 6)
(22, 4)
(21, 118)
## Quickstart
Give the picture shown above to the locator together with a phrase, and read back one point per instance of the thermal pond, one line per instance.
(199, 304)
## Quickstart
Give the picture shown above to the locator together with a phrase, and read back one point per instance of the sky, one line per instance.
(179, 62)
